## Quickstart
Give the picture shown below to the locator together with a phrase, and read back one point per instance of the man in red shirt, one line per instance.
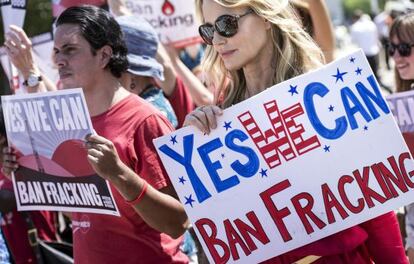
(89, 52)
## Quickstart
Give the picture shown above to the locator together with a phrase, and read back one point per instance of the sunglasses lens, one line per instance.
(207, 33)
(226, 25)
(390, 49)
(404, 49)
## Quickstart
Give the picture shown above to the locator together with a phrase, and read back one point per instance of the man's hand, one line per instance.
(103, 157)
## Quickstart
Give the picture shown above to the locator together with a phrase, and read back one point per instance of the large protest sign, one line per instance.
(47, 131)
(174, 20)
(300, 161)
(402, 107)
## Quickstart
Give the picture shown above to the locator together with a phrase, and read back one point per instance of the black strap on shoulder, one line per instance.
(33, 237)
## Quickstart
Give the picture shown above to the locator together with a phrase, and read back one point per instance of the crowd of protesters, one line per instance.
(138, 89)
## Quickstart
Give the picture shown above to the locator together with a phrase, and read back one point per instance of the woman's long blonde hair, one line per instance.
(295, 51)
(403, 29)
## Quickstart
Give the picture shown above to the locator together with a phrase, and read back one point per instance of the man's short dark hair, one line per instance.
(99, 28)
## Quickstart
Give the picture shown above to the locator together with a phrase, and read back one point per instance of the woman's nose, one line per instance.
(218, 39)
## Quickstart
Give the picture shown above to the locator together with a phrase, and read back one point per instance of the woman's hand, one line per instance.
(204, 118)
(103, 157)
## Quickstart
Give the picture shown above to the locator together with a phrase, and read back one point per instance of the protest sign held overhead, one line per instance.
(173, 20)
(47, 130)
(13, 12)
(296, 163)
(58, 6)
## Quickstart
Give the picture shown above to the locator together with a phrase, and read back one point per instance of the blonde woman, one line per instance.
(255, 44)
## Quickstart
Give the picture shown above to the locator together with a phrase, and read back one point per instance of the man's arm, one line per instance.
(157, 208)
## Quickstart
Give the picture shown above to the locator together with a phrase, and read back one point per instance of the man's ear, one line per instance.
(105, 54)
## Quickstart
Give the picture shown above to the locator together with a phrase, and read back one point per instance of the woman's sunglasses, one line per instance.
(404, 49)
(225, 25)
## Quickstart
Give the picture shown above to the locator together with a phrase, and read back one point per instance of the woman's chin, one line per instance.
(232, 66)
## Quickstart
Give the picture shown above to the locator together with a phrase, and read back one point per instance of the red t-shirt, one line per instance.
(14, 228)
(131, 125)
(377, 240)
(181, 101)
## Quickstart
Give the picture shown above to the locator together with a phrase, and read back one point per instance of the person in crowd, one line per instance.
(260, 43)
(168, 56)
(143, 70)
(19, 50)
(151, 73)
(365, 35)
(142, 75)
(315, 18)
(152, 220)
(400, 49)
(382, 22)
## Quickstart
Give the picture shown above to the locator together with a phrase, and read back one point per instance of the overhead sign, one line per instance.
(174, 20)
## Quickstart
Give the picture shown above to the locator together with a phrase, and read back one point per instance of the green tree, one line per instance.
(351, 5)
(364, 5)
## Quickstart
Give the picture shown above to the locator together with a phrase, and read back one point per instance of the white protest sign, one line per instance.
(402, 107)
(6, 7)
(13, 13)
(18, 12)
(47, 130)
(174, 20)
(58, 6)
(304, 159)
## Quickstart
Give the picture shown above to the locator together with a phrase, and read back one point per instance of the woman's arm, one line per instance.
(322, 28)
(384, 241)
